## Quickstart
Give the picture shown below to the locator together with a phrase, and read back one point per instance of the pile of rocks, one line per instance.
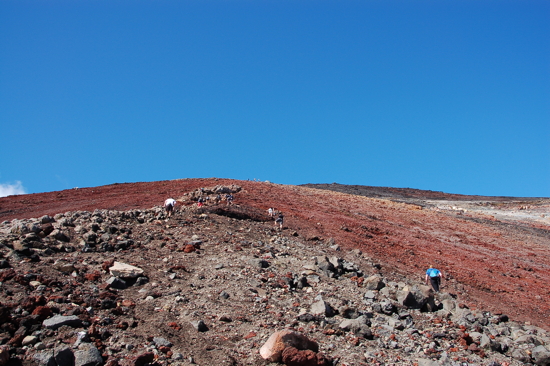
(211, 192)
(133, 288)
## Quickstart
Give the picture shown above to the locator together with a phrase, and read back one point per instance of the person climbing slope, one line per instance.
(434, 276)
(279, 220)
(169, 205)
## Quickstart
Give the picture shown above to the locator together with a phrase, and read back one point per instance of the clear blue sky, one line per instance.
(449, 96)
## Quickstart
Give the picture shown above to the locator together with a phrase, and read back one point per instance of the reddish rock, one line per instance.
(143, 359)
(174, 325)
(107, 264)
(273, 348)
(43, 312)
(164, 349)
(94, 276)
(107, 295)
(189, 248)
(294, 357)
(7, 274)
(32, 301)
(358, 280)
(16, 340)
(128, 303)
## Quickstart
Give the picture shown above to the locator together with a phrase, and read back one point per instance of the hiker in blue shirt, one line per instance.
(434, 276)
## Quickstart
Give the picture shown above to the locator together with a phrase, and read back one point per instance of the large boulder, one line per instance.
(60, 235)
(541, 356)
(521, 355)
(46, 219)
(417, 297)
(273, 348)
(327, 267)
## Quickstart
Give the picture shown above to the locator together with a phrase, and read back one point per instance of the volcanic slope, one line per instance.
(500, 266)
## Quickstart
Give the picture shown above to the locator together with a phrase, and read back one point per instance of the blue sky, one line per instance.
(449, 96)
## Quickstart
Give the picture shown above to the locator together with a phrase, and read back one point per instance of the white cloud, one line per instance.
(11, 189)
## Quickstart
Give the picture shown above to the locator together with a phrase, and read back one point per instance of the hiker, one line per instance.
(200, 202)
(279, 220)
(217, 199)
(434, 276)
(270, 211)
(169, 205)
(229, 198)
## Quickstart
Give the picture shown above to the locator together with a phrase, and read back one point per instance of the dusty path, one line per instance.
(496, 265)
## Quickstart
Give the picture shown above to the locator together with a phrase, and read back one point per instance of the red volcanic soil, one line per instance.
(503, 267)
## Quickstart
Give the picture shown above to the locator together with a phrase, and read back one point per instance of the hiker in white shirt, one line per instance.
(169, 205)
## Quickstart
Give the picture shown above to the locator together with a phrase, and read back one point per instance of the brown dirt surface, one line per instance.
(502, 265)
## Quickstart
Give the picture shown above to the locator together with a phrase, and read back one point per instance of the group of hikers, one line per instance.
(170, 204)
(279, 217)
(201, 201)
(433, 275)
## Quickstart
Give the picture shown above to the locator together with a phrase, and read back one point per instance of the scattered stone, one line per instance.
(87, 355)
(374, 282)
(60, 235)
(46, 219)
(29, 341)
(125, 271)
(115, 282)
(64, 267)
(59, 320)
(259, 263)
(59, 356)
(322, 307)
(199, 325)
(161, 342)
